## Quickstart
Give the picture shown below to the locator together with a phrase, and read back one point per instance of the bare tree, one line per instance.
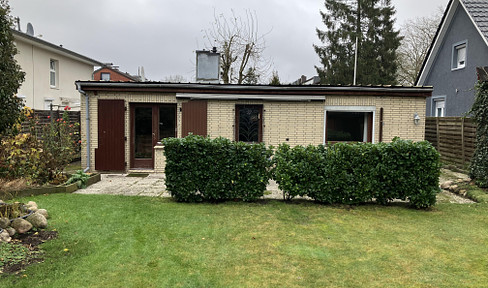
(174, 79)
(418, 35)
(240, 45)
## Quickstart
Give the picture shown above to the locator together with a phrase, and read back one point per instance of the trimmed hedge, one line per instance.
(357, 173)
(199, 168)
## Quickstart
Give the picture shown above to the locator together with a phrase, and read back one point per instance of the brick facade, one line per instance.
(292, 122)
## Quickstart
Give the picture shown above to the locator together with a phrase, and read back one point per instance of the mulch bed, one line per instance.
(31, 241)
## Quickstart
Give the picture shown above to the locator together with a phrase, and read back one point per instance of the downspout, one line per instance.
(87, 111)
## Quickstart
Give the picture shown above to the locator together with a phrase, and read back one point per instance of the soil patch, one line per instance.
(30, 243)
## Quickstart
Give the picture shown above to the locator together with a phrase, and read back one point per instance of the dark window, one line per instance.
(349, 126)
(249, 123)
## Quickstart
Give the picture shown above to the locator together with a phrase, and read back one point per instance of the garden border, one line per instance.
(70, 188)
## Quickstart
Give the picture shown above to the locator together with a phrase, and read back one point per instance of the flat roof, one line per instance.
(205, 90)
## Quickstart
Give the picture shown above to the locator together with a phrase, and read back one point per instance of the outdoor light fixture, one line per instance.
(416, 119)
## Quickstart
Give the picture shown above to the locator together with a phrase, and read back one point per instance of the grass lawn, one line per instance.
(117, 241)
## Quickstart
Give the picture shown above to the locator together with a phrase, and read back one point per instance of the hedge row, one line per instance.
(199, 168)
(357, 173)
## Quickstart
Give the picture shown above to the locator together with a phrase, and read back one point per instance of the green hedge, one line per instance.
(199, 168)
(357, 173)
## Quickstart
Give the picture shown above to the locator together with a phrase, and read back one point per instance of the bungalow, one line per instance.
(122, 122)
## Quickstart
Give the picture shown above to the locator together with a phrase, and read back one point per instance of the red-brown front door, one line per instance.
(149, 124)
(110, 154)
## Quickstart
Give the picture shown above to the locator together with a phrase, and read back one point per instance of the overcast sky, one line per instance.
(162, 35)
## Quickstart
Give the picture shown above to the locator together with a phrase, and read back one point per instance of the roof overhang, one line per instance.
(231, 91)
(20, 36)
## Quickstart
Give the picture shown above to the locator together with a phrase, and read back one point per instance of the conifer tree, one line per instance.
(371, 22)
(11, 75)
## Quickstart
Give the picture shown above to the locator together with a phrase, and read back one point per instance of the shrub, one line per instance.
(356, 173)
(479, 163)
(40, 160)
(199, 168)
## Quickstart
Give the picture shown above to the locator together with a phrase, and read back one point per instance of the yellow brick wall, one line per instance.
(398, 113)
(300, 122)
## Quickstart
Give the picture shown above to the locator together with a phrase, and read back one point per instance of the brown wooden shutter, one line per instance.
(194, 115)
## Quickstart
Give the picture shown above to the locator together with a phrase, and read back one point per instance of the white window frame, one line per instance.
(455, 61)
(104, 73)
(352, 109)
(439, 103)
(48, 102)
(53, 73)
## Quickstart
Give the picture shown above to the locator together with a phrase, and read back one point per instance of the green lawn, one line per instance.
(117, 241)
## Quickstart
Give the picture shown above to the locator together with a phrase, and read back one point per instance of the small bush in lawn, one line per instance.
(199, 168)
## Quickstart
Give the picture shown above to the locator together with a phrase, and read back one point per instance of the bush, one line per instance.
(357, 173)
(479, 163)
(199, 168)
(39, 160)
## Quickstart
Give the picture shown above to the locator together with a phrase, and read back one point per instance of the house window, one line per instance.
(349, 124)
(440, 107)
(53, 75)
(105, 76)
(459, 55)
(47, 104)
(249, 123)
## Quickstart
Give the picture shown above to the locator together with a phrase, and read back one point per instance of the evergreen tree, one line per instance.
(251, 77)
(371, 22)
(11, 75)
(275, 79)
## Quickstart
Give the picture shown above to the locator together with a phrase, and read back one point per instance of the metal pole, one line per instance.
(355, 62)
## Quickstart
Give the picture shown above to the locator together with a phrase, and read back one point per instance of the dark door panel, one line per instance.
(110, 154)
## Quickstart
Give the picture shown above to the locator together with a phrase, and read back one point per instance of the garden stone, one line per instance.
(454, 188)
(37, 220)
(4, 223)
(1, 201)
(43, 212)
(11, 231)
(21, 225)
(4, 236)
(446, 185)
(31, 205)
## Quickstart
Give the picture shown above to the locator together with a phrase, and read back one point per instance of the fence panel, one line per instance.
(453, 137)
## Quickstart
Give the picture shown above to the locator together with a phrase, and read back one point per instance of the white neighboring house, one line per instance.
(50, 72)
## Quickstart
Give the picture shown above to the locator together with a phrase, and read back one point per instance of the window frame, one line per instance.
(104, 73)
(237, 108)
(436, 100)
(456, 47)
(351, 109)
(53, 73)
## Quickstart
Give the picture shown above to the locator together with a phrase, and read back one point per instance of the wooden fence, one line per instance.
(453, 137)
(43, 117)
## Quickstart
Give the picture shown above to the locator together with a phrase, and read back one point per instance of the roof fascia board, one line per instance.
(448, 15)
(20, 36)
(285, 89)
(474, 23)
(302, 98)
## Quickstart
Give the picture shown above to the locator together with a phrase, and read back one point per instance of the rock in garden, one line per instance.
(463, 192)
(11, 231)
(4, 223)
(37, 220)
(43, 212)
(31, 205)
(21, 225)
(1, 201)
(454, 188)
(4, 236)
(446, 185)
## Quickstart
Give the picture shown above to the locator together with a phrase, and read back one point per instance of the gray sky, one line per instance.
(163, 35)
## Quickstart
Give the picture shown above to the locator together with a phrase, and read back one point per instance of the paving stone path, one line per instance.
(153, 185)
